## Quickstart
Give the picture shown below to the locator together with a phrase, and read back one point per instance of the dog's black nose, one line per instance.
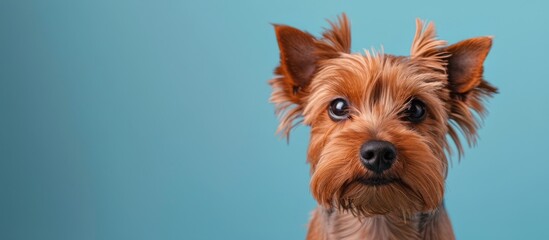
(378, 156)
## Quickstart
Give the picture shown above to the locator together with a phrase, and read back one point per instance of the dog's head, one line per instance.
(379, 122)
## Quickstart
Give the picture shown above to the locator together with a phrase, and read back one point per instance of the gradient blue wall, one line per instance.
(150, 119)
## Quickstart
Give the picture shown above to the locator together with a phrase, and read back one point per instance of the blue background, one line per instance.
(150, 119)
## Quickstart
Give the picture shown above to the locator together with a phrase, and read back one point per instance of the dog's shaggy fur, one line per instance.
(406, 200)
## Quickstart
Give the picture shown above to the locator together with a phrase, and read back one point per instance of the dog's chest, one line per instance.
(345, 226)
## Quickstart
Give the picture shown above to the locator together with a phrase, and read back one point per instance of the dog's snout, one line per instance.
(378, 156)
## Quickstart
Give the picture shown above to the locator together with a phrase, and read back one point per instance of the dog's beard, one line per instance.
(368, 200)
(414, 183)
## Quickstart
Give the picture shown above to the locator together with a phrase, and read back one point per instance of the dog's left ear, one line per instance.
(468, 89)
(465, 64)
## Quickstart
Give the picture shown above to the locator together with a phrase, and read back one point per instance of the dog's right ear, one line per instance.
(298, 61)
(300, 54)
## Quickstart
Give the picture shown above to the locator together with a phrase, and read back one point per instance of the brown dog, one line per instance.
(378, 127)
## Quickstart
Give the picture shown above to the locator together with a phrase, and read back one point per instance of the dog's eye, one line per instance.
(339, 109)
(415, 112)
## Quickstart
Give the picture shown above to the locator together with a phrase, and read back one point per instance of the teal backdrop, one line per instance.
(150, 119)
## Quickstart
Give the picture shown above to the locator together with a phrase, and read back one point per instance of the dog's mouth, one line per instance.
(377, 181)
